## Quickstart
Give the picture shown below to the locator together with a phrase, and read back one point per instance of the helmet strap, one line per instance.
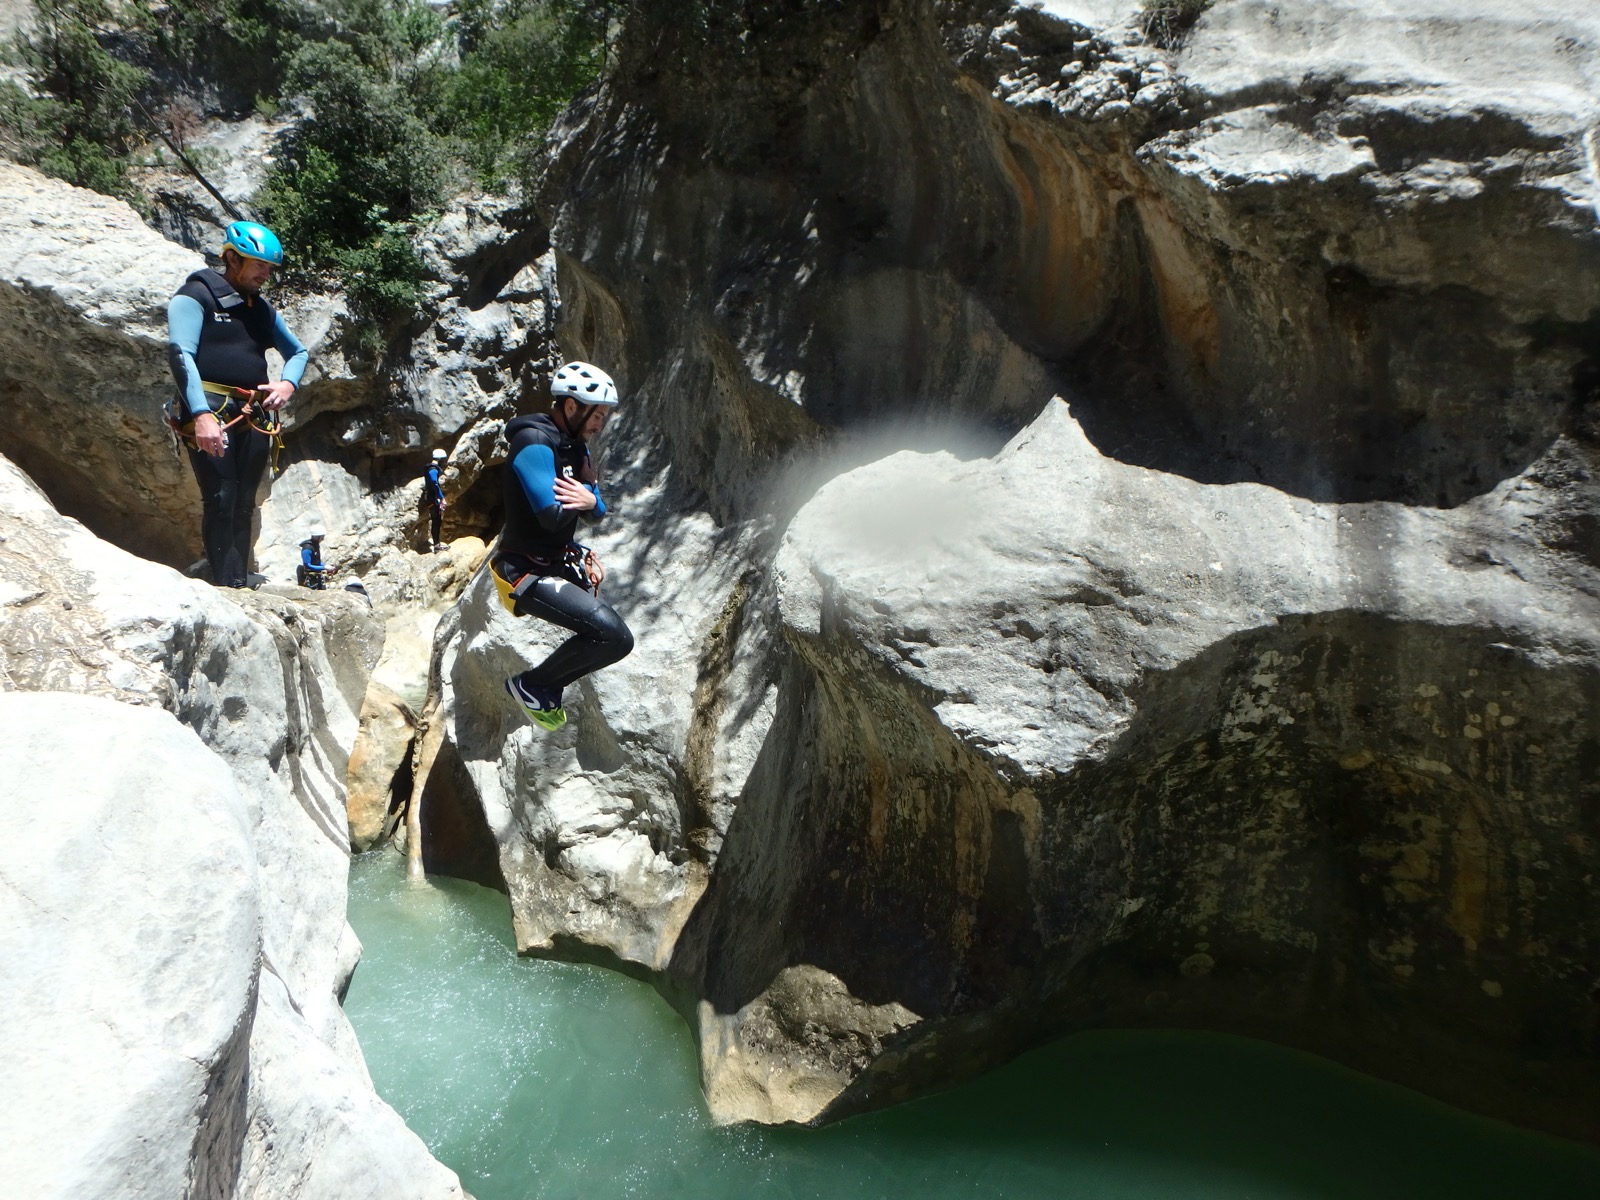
(580, 413)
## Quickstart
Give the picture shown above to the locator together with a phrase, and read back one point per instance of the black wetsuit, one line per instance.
(313, 573)
(433, 497)
(538, 541)
(226, 345)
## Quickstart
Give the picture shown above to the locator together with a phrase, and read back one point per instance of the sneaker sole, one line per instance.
(545, 718)
(548, 718)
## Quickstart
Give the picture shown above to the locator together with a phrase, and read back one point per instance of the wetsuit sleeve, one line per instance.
(185, 319)
(599, 509)
(535, 466)
(294, 354)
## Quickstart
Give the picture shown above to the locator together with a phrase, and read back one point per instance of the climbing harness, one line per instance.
(239, 404)
(577, 564)
(270, 424)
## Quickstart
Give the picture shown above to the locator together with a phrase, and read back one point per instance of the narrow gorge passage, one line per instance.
(537, 1078)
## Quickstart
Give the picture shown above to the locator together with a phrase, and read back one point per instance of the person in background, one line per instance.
(313, 572)
(538, 569)
(219, 328)
(433, 498)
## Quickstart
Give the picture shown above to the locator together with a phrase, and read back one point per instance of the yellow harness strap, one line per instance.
(504, 587)
(269, 422)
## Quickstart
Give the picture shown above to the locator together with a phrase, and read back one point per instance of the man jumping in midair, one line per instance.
(538, 569)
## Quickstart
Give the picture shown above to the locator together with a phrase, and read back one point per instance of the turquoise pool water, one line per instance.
(537, 1079)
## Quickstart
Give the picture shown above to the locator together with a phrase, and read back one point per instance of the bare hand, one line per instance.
(574, 497)
(208, 435)
(274, 395)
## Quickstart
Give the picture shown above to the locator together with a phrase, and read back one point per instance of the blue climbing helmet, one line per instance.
(253, 241)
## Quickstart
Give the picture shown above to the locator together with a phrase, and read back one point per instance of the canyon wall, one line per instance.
(1251, 686)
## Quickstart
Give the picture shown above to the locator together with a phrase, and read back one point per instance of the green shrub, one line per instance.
(400, 108)
(233, 48)
(383, 280)
(80, 125)
(515, 77)
(362, 150)
(351, 179)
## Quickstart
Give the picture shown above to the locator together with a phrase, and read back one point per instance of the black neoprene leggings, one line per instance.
(599, 639)
(228, 501)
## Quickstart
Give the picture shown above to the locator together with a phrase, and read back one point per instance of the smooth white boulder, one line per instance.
(130, 931)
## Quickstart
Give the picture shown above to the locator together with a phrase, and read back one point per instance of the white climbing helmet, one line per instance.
(440, 455)
(316, 531)
(584, 383)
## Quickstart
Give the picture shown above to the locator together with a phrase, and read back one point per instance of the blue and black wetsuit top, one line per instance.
(537, 527)
(432, 490)
(218, 335)
(311, 555)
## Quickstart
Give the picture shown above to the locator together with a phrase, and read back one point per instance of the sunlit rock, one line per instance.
(125, 1044)
(272, 686)
(382, 748)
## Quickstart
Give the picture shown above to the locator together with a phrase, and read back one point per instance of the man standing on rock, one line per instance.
(433, 499)
(219, 327)
(538, 569)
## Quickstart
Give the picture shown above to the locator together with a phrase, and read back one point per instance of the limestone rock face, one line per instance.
(1257, 694)
(383, 746)
(1344, 248)
(83, 363)
(1141, 751)
(598, 830)
(272, 686)
(1146, 751)
(125, 1047)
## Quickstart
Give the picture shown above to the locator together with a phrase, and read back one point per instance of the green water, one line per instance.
(537, 1079)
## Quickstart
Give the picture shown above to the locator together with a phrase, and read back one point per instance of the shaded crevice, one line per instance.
(217, 1153)
(456, 838)
(492, 268)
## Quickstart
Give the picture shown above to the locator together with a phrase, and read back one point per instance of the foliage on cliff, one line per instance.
(78, 121)
(398, 107)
